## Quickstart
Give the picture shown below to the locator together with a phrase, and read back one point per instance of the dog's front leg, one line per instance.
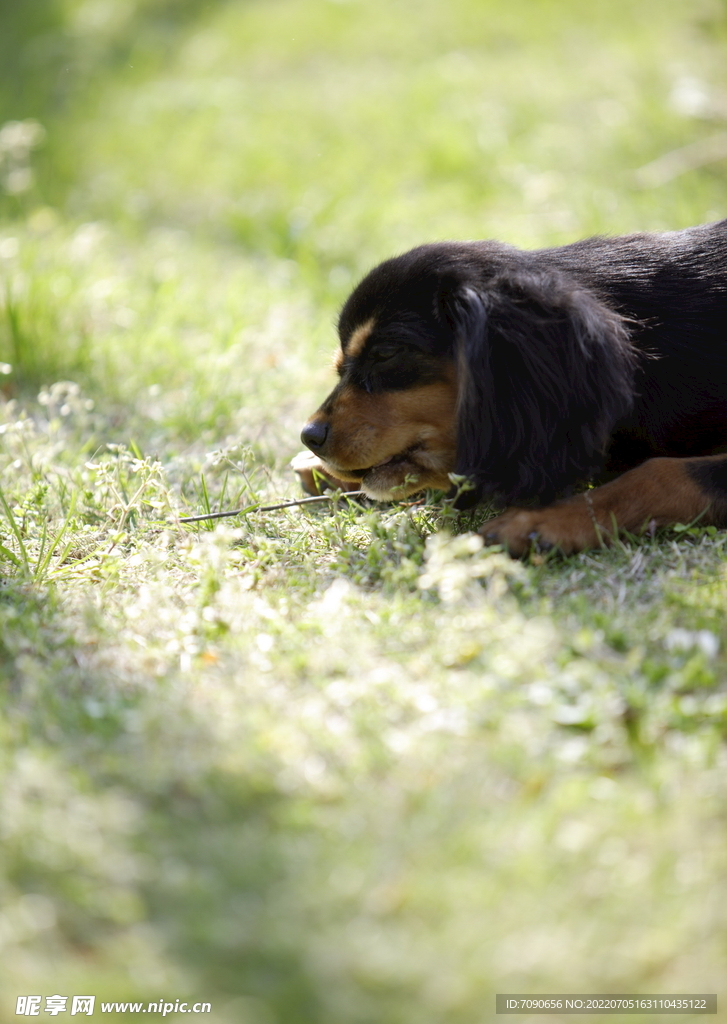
(659, 492)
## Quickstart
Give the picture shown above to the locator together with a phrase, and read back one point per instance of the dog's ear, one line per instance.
(545, 371)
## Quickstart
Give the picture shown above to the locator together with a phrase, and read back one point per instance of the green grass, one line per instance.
(329, 765)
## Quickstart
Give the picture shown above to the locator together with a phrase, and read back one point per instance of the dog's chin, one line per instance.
(391, 481)
(398, 477)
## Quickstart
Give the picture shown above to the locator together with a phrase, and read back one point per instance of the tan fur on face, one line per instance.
(368, 429)
(354, 345)
(358, 338)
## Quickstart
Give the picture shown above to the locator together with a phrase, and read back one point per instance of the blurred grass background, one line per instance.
(309, 769)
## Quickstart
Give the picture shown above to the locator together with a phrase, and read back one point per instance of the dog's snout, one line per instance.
(314, 434)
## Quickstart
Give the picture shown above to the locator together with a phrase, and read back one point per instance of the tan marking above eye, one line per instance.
(358, 338)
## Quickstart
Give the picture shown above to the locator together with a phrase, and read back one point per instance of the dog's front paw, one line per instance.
(566, 526)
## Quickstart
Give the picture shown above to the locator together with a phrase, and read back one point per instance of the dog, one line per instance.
(532, 376)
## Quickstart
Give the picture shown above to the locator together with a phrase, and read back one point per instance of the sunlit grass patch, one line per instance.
(381, 735)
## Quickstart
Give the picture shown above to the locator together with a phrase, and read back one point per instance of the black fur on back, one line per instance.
(566, 357)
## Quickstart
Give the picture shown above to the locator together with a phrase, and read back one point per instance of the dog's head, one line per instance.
(475, 359)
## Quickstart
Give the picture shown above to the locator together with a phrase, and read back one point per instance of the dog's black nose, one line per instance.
(314, 434)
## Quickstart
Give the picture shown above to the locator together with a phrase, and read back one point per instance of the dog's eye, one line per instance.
(385, 353)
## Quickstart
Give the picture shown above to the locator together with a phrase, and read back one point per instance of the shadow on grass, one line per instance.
(132, 857)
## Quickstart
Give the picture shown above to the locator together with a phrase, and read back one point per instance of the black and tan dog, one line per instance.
(534, 373)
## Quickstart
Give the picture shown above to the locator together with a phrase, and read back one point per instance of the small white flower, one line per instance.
(686, 640)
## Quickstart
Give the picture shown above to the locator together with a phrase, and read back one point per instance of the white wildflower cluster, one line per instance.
(231, 456)
(35, 437)
(455, 564)
(17, 140)
(124, 484)
(686, 640)
(65, 399)
(14, 420)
